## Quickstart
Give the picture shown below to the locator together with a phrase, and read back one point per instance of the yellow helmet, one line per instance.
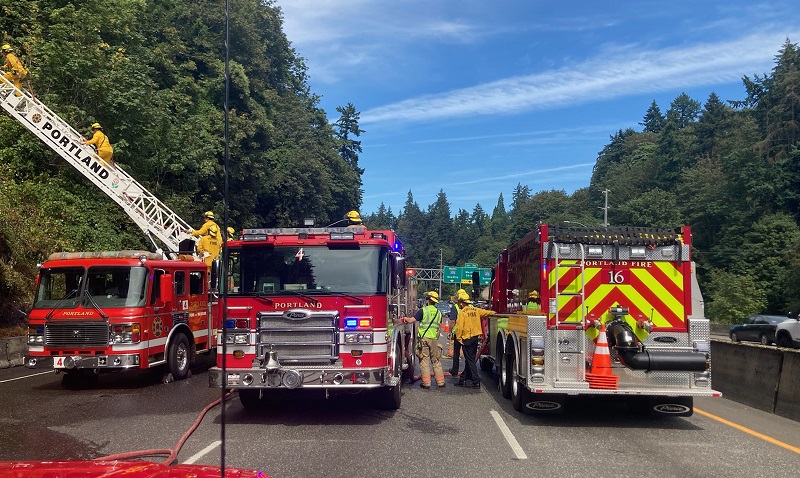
(432, 296)
(462, 295)
(209, 214)
(6, 48)
(353, 216)
(231, 231)
(96, 126)
(534, 294)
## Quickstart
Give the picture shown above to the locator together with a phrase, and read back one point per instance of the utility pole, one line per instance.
(441, 269)
(605, 208)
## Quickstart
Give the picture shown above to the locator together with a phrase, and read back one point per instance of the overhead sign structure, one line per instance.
(463, 275)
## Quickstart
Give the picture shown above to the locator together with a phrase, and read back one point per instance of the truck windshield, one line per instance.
(268, 270)
(116, 286)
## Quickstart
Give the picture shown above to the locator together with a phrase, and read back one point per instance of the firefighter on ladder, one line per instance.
(210, 238)
(428, 351)
(15, 71)
(101, 144)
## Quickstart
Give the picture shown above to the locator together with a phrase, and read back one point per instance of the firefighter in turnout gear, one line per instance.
(468, 332)
(210, 238)
(454, 311)
(15, 71)
(101, 144)
(353, 219)
(533, 301)
(428, 351)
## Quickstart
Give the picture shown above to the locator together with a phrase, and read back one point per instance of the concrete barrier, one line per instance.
(11, 351)
(762, 377)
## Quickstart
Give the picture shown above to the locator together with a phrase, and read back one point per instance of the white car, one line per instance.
(787, 333)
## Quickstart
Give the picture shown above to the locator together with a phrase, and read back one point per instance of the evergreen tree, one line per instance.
(653, 120)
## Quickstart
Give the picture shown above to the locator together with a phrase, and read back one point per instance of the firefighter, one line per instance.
(533, 301)
(353, 219)
(468, 332)
(231, 234)
(428, 351)
(456, 347)
(15, 71)
(210, 238)
(101, 144)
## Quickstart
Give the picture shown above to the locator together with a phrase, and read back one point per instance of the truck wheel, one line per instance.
(506, 376)
(519, 394)
(178, 358)
(250, 398)
(390, 397)
(784, 341)
(486, 364)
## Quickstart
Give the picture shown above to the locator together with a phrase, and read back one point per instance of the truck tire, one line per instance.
(250, 398)
(178, 357)
(519, 394)
(505, 375)
(390, 397)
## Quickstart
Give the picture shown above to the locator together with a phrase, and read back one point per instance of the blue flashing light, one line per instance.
(230, 324)
(351, 323)
(397, 246)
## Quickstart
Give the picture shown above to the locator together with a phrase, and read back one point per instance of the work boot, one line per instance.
(473, 384)
(453, 372)
(441, 385)
(425, 386)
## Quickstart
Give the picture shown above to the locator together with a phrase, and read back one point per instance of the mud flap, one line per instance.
(671, 406)
(545, 404)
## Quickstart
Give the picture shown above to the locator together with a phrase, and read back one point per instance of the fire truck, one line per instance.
(312, 309)
(101, 311)
(111, 311)
(621, 316)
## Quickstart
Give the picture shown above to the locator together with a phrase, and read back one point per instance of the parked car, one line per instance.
(787, 334)
(757, 328)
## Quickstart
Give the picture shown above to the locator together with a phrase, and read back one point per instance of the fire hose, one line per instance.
(172, 453)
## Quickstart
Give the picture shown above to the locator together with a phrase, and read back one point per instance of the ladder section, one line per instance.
(148, 212)
(570, 344)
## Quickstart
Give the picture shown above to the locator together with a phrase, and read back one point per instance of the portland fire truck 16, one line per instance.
(110, 311)
(620, 314)
(312, 308)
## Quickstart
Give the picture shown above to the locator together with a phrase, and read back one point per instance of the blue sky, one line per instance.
(475, 97)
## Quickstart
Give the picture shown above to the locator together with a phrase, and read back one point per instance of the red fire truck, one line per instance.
(312, 308)
(621, 315)
(110, 311)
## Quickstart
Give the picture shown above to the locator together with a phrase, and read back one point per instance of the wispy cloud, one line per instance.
(621, 72)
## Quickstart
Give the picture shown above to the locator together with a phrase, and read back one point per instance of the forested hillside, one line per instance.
(730, 168)
(152, 73)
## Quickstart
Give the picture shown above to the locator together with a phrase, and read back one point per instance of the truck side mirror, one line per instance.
(165, 288)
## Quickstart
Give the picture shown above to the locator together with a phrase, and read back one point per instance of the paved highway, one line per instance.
(438, 432)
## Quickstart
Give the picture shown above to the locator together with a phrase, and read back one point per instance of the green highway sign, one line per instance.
(463, 275)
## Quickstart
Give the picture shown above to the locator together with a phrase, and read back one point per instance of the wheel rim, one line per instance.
(182, 356)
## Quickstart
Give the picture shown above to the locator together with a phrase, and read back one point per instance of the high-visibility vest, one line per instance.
(429, 326)
(458, 309)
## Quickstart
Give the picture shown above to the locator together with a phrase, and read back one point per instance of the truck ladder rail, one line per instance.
(571, 339)
(147, 211)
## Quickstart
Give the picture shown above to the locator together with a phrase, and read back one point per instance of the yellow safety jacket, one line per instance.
(429, 325)
(469, 322)
(12, 63)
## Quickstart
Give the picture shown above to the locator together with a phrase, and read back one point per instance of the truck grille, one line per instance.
(76, 334)
(299, 336)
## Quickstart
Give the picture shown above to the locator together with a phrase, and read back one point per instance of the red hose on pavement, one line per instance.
(173, 454)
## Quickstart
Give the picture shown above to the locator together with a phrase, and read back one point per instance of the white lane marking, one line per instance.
(512, 442)
(26, 376)
(192, 459)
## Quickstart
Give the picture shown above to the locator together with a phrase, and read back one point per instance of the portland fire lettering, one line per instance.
(75, 150)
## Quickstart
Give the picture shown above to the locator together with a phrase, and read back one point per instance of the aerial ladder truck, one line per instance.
(108, 311)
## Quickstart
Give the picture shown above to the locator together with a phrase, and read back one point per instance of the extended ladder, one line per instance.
(147, 211)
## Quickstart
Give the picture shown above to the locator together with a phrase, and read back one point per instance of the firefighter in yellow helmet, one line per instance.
(469, 330)
(353, 219)
(101, 144)
(210, 241)
(456, 345)
(533, 301)
(231, 233)
(15, 71)
(430, 320)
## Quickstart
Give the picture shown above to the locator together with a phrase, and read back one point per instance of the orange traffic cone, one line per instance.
(600, 375)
